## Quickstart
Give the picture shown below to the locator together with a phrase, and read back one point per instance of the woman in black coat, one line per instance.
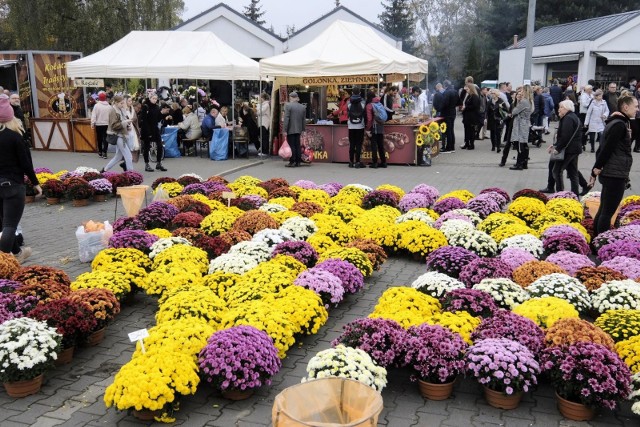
(150, 118)
(470, 116)
(569, 139)
(613, 161)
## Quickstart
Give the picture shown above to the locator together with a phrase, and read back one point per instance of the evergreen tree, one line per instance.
(397, 19)
(254, 12)
(472, 66)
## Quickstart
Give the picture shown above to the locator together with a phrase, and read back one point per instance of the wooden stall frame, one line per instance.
(42, 139)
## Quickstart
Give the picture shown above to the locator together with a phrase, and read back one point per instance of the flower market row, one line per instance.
(80, 185)
(266, 269)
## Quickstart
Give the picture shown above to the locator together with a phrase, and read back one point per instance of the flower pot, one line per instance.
(433, 391)
(53, 200)
(99, 197)
(95, 338)
(65, 356)
(145, 414)
(24, 388)
(575, 411)
(29, 199)
(500, 400)
(237, 394)
(79, 202)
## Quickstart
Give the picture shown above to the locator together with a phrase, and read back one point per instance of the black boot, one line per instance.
(472, 145)
(160, 167)
(148, 168)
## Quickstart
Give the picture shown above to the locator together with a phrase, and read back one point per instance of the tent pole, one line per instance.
(197, 99)
(260, 115)
(233, 116)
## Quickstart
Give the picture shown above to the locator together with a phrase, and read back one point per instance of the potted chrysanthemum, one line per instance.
(239, 360)
(505, 368)
(586, 376)
(79, 191)
(28, 348)
(101, 189)
(383, 339)
(436, 356)
(73, 320)
(53, 190)
(347, 362)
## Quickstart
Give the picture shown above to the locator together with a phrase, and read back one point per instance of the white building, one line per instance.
(604, 49)
(257, 42)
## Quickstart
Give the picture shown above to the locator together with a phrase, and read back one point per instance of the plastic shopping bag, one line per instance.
(92, 242)
(219, 146)
(285, 150)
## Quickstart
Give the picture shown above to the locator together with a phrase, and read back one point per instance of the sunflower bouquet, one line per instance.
(430, 134)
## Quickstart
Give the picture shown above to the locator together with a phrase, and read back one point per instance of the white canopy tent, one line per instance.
(344, 48)
(167, 54)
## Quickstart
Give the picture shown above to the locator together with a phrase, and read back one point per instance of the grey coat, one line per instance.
(294, 118)
(521, 121)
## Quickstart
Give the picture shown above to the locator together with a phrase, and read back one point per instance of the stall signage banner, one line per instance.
(364, 79)
(88, 82)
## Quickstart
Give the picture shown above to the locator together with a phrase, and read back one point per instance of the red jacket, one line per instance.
(370, 119)
(342, 113)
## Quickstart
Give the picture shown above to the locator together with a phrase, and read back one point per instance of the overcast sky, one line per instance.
(281, 13)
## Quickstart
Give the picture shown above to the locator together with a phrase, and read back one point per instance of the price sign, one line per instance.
(228, 195)
(139, 335)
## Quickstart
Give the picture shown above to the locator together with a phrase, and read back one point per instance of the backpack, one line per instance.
(356, 113)
(379, 113)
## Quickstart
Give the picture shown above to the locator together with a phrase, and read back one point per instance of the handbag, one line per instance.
(112, 139)
(559, 156)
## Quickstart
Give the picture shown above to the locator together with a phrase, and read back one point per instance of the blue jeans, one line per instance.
(11, 209)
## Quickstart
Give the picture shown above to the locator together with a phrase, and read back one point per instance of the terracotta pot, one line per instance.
(29, 199)
(53, 200)
(433, 391)
(99, 197)
(500, 400)
(146, 414)
(65, 356)
(79, 202)
(575, 411)
(95, 338)
(24, 388)
(237, 394)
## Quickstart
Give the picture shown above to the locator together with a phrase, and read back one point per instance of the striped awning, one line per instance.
(555, 58)
(621, 58)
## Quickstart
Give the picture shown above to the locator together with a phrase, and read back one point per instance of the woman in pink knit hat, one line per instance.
(15, 162)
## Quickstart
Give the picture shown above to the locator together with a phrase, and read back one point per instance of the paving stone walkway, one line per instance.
(73, 394)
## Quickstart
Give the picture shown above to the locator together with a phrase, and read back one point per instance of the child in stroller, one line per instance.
(535, 135)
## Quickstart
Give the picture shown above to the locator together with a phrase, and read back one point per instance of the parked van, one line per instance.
(490, 84)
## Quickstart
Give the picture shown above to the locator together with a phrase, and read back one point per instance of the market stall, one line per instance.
(346, 53)
(167, 54)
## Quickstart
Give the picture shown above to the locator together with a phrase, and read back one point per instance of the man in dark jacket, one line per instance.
(294, 125)
(438, 103)
(556, 94)
(449, 105)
